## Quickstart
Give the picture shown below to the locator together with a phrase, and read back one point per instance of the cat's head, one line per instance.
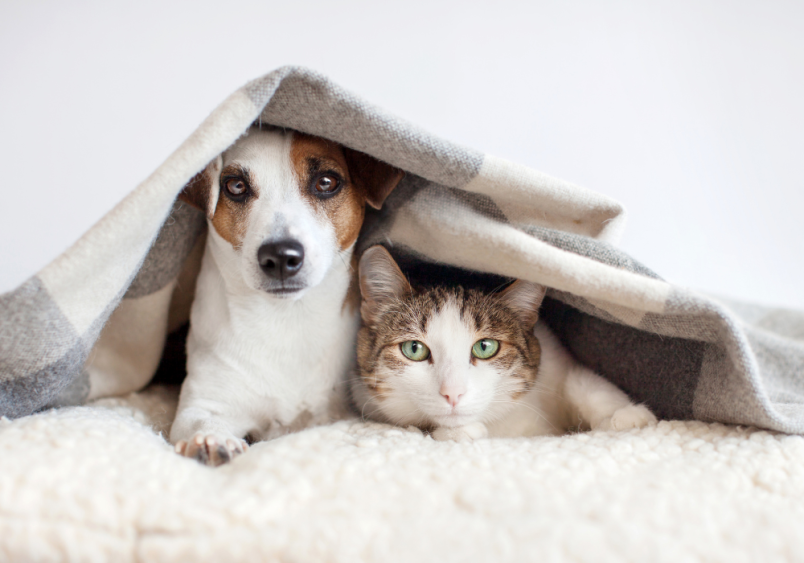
(442, 356)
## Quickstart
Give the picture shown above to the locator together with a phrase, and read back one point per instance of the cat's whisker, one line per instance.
(345, 263)
(346, 380)
(363, 411)
(539, 391)
(498, 288)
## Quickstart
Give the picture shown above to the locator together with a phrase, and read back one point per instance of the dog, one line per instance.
(273, 326)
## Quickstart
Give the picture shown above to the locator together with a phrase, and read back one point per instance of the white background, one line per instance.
(688, 112)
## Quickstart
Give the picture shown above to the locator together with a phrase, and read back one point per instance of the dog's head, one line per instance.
(284, 205)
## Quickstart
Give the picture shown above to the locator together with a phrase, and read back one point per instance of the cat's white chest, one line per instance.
(543, 411)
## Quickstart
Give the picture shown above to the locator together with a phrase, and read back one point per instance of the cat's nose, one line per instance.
(452, 395)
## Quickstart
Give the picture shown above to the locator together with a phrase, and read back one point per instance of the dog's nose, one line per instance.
(281, 259)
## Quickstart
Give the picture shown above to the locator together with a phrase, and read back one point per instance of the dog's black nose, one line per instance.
(281, 259)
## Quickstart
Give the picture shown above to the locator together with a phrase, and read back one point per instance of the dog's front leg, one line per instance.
(209, 429)
(209, 446)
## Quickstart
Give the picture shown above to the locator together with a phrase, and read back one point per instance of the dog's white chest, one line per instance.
(276, 361)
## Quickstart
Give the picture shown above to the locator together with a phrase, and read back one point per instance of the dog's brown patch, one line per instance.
(377, 178)
(365, 178)
(351, 303)
(230, 219)
(313, 157)
(198, 190)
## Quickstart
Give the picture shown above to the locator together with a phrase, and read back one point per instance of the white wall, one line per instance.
(689, 112)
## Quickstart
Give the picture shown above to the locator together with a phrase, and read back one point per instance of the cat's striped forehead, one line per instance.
(410, 316)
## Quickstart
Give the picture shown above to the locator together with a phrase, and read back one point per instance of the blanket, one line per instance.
(99, 483)
(94, 322)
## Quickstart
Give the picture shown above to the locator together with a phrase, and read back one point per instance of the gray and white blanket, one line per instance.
(101, 311)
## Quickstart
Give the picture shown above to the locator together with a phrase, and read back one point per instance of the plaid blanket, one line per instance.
(100, 311)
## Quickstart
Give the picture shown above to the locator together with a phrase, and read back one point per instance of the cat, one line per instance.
(465, 364)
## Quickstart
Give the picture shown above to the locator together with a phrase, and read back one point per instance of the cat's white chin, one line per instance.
(454, 420)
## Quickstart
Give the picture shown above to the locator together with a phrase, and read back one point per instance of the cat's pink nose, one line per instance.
(452, 397)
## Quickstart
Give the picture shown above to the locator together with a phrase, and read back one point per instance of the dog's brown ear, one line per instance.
(376, 178)
(202, 190)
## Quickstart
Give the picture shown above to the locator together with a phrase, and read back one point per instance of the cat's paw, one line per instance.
(627, 418)
(466, 433)
(211, 449)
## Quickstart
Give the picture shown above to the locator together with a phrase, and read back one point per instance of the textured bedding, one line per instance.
(94, 479)
(98, 483)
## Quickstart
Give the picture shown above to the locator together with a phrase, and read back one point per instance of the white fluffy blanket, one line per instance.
(99, 483)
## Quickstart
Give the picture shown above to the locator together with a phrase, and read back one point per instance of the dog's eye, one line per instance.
(236, 186)
(327, 184)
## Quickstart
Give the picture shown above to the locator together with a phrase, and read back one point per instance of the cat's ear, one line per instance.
(381, 280)
(524, 298)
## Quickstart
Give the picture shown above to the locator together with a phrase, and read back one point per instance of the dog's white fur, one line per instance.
(261, 363)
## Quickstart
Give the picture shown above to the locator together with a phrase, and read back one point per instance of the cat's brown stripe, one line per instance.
(408, 318)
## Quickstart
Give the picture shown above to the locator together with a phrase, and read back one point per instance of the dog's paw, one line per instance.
(466, 433)
(211, 449)
(627, 418)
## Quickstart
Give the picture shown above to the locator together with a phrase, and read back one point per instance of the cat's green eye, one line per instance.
(415, 350)
(485, 348)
